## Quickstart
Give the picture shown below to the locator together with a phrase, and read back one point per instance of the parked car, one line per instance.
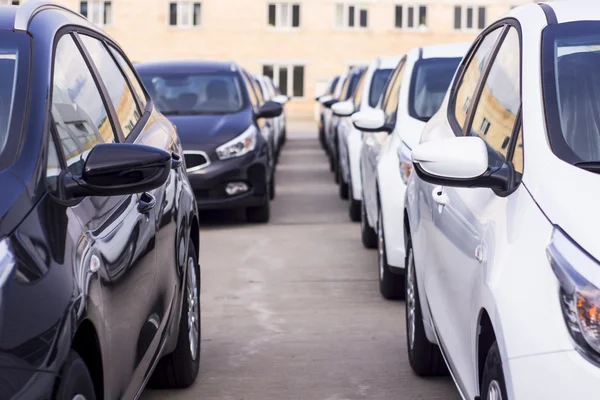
(281, 99)
(268, 92)
(485, 237)
(366, 97)
(226, 129)
(328, 117)
(332, 134)
(99, 274)
(415, 92)
(327, 96)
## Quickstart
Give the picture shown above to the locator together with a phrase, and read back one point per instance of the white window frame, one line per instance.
(290, 78)
(96, 10)
(187, 5)
(463, 17)
(358, 7)
(279, 20)
(415, 7)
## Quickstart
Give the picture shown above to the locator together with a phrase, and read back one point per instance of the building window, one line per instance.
(469, 17)
(97, 11)
(185, 14)
(283, 15)
(408, 17)
(485, 126)
(289, 78)
(9, 2)
(351, 16)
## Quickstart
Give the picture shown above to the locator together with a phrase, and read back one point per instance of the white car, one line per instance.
(269, 92)
(413, 94)
(320, 108)
(502, 247)
(328, 118)
(366, 97)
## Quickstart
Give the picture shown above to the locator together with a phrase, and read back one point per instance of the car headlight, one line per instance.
(579, 277)
(406, 165)
(242, 144)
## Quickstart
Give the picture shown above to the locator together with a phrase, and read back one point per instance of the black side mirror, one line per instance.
(113, 169)
(269, 109)
(330, 102)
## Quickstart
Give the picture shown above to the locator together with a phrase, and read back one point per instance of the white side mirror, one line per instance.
(281, 99)
(457, 158)
(343, 108)
(372, 120)
(326, 98)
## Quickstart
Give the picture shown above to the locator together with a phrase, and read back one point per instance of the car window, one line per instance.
(79, 115)
(119, 92)
(333, 85)
(251, 92)
(380, 78)
(496, 111)
(135, 83)
(391, 105)
(465, 89)
(517, 157)
(259, 94)
(358, 94)
(390, 82)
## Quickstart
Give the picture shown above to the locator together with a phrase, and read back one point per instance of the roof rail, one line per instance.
(29, 9)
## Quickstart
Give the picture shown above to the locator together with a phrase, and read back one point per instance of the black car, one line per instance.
(226, 129)
(99, 280)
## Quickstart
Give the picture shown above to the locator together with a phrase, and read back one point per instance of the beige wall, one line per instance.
(237, 30)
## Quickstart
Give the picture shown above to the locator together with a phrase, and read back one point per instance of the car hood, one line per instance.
(198, 130)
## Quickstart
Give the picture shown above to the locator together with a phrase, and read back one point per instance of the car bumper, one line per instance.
(209, 184)
(562, 375)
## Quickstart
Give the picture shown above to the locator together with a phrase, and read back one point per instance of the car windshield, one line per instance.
(571, 88)
(14, 71)
(380, 78)
(430, 80)
(195, 93)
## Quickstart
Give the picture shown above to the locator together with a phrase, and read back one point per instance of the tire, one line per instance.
(260, 214)
(343, 189)
(424, 357)
(75, 379)
(367, 234)
(353, 205)
(391, 285)
(493, 382)
(272, 187)
(179, 369)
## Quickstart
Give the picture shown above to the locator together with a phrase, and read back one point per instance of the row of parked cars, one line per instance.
(103, 167)
(473, 169)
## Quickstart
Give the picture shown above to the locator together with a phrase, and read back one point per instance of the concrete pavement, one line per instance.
(291, 310)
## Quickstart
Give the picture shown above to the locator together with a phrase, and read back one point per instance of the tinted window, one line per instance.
(496, 111)
(380, 78)
(350, 86)
(135, 83)
(333, 84)
(181, 93)
(118, 89)
(571, 82)
(391, 105)
(14, 75)
(430, 80)
(78, 112)
(250, 90)
(471, 74)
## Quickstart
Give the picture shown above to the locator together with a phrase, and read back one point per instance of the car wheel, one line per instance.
(493, 385)
(391, 285)
(272, 187)
(343, 188)
(179, 369)
(353, 205)
(367, 234)
(75, 381)
(424, 357)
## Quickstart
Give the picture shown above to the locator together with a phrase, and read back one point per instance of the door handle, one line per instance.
(440, 197)
(176, 161)
(146, 203)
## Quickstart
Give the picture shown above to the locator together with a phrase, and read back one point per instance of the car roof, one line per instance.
(446, 50)
(7, 17)
(187, 66)
(564, 11)
(387, 62)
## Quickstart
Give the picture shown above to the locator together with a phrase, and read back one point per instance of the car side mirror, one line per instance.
(330, 102)
(343, 108)
(322, 99)
(113, 169)
(281, 99)
(372, 120)
(269, 109)
(459, 162)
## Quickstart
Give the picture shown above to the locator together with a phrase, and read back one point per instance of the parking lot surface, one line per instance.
(291, 310)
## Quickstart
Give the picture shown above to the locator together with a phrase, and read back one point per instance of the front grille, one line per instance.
(196, 160)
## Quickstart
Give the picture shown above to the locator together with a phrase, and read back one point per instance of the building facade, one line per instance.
(300, 43)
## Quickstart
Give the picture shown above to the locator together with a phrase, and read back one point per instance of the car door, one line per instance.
(471, 215)
(264, 124)
(88, 108)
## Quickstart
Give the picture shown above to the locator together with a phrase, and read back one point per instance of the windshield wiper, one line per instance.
(592, 166)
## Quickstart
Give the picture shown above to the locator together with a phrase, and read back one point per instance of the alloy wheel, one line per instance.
(411, 299)
(193, 308)
(494, 392)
